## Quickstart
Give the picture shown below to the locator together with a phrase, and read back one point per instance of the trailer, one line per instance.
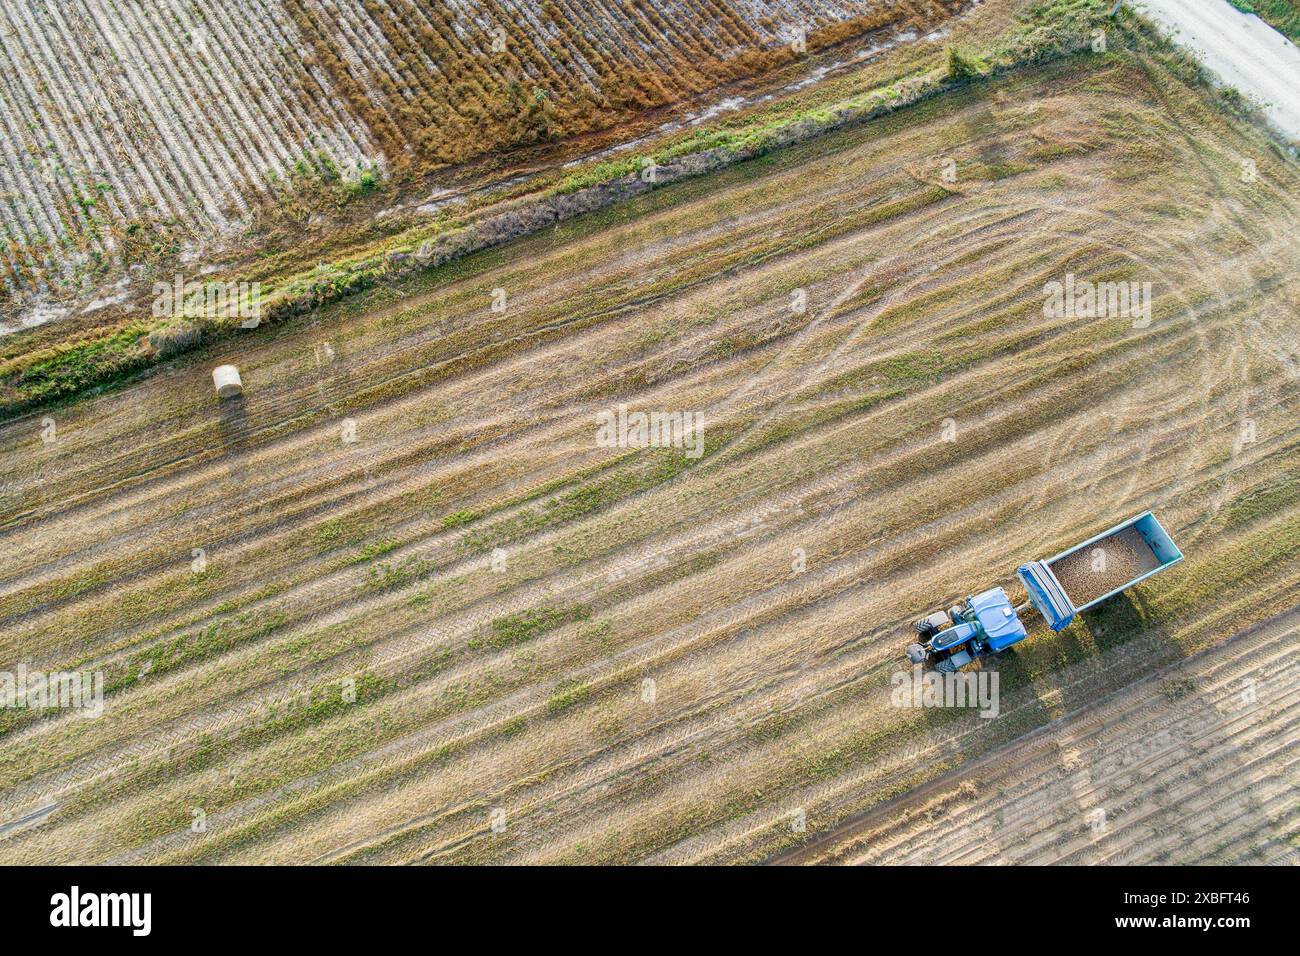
(1059, 588)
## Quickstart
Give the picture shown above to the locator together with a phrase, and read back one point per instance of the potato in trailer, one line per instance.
(1058, 588)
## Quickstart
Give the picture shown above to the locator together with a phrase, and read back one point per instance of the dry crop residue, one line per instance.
(130, 133)
(1194, 766)
(474, 633)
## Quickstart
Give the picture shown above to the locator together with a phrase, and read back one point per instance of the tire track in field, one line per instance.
(1028, 760)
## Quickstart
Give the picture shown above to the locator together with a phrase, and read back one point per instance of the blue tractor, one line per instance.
(984, 624)
(987, 623)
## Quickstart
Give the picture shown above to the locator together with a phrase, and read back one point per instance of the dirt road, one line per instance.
(1244, 50)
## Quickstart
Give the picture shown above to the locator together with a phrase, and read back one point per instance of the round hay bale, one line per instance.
(226, 379)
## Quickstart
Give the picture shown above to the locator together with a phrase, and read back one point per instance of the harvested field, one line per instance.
(402, 604)
(1101, 568)
(1194, 765)
(136, 133)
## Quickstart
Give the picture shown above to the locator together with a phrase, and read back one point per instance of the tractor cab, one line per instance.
(997, 619)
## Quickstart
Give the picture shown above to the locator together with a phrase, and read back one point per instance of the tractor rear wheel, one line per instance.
(924, 628)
